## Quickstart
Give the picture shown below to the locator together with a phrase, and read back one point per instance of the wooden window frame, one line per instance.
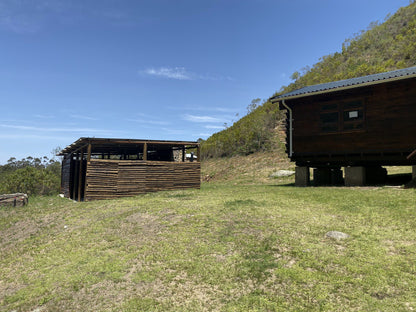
(350, 116)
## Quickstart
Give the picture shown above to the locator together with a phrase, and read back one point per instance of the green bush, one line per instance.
(32, 176)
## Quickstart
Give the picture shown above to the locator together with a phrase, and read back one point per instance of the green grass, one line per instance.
(226, 247)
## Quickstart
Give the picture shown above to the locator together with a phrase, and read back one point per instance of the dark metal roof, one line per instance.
(349, 83)
(113, 145)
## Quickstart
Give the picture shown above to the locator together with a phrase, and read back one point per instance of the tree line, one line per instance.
(30, 175)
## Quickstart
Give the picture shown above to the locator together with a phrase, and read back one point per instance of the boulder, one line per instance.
(15, 200)
(282, 173)
(336, 235)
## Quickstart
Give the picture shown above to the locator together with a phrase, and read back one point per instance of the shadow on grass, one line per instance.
(398, 179)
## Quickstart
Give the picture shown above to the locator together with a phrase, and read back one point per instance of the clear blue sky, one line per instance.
(159, 69)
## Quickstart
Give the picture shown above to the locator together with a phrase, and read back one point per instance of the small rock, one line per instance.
(336, 235)
(282, 173)
(61, 195)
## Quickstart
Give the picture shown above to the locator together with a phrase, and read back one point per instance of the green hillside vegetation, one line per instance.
(33, 176)
(251, 133)
(382, 47)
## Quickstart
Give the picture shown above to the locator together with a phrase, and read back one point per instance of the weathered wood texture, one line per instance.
(113, 178)
(66, 177)
(16, 200)
(388, 134)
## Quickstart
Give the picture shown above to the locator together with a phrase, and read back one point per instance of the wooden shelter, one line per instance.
(360, 124)
(97, 168)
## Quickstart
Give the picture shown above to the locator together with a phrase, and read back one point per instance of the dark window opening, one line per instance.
(342, 116)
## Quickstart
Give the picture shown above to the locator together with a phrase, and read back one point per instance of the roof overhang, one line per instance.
(345, 85)
(83, 142)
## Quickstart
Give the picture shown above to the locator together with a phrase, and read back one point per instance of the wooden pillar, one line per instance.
(183, 153)
(80, 174)
(198, 153)
(145, 151)
(75, 177)
(414, 172)
(89, 152)
(89, 148)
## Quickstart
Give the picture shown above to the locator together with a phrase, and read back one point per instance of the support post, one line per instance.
(355, 176)
(183, 153)
(86, 169)
(145, 151)
(198, 153)
(414, 172)
(302, 176)
(75, 177)
(80, 175)
(89, 152)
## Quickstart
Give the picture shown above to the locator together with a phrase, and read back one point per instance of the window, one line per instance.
(342, 116)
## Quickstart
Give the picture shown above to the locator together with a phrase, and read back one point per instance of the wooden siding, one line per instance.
(114, 178)
(389, 124)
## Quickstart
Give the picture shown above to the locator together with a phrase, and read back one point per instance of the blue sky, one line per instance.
(159, 69)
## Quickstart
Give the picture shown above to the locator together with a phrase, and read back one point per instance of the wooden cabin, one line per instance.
(96, 168)
(361, 124)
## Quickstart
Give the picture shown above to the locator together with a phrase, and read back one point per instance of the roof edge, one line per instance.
(278, 98)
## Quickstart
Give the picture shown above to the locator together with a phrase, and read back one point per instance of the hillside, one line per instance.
(382, 47)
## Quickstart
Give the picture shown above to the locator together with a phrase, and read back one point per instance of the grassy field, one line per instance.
(230, 246)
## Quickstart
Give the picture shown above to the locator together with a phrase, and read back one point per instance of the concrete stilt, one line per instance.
(355, 176)
(302, 176)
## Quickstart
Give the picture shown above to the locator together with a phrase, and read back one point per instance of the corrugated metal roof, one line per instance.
(349, 83)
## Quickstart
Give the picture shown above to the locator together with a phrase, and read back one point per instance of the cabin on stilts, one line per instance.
(99, 168)
(361, 124)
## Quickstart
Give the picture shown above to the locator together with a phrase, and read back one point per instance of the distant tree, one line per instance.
(253, 105)
(34, 176)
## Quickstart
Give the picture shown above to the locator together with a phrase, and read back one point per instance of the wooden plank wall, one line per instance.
(118, 178)
(390, 112)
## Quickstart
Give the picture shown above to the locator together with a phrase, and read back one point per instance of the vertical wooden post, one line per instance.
(145, 151)
(75, 177)
(198, 153)
(183, 153)
(80, 174)
(89, 152)
(86, 169)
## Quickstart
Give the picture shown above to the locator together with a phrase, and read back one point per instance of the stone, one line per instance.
(282, 173)
(336, 235)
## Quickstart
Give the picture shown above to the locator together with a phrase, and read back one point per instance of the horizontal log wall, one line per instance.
(118, 178)
(389, 122)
